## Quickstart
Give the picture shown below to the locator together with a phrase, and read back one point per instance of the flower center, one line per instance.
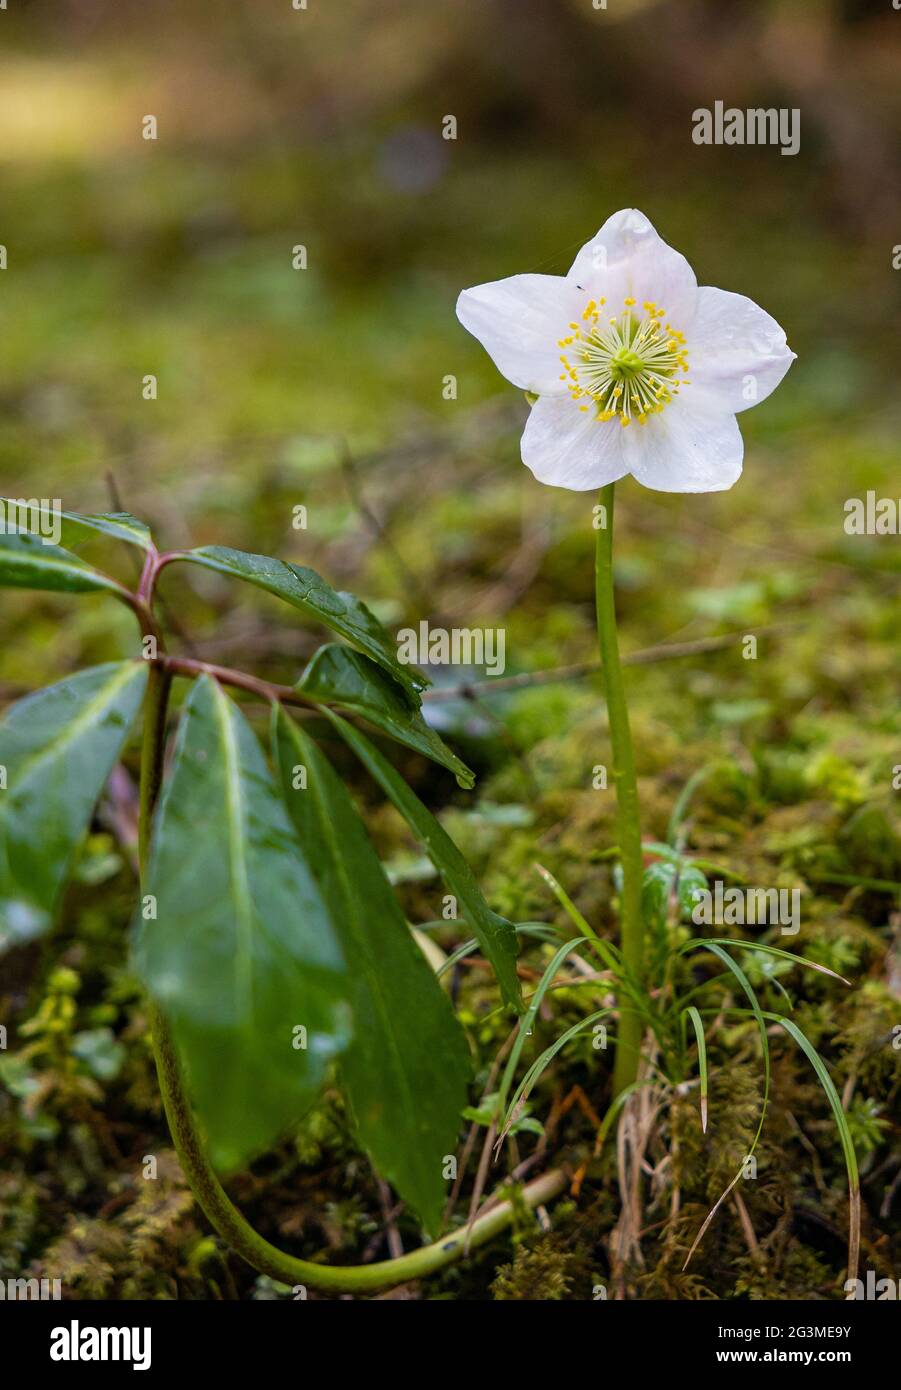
(629, 367)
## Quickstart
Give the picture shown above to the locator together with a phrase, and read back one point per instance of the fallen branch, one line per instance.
(666, 651)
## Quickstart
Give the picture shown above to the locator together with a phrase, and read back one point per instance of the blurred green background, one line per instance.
(324, 388)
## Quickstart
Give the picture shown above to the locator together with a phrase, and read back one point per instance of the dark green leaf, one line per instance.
(57, 748)
(308, 591)
(407, 1068)
(27, 562)
(496, 936)
(340, 676)
(241, 953)
(73, 526)
(120, 526)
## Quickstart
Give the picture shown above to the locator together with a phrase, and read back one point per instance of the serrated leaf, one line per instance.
(28, 562)
(339, 675)
(241, 952)
(407, 1068)
(496, 936)
(58, 747)
(308, 591)
(73, 525)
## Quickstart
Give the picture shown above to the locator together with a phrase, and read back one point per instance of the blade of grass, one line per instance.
(844, 1133)
(698, 1026)
(536, 929)
(717, 950)
(878, 885)
(538, 1066)
(673, 856)
(569, 907)
(610, 954)
(699, 941)
(544, 931)
(461, 952)
(528, 1018)
(683, 799)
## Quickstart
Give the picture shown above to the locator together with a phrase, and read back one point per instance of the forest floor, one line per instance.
(323, 388)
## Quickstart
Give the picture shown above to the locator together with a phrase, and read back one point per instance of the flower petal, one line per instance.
(693, 445)
(519, 321)
(735, 349)
(567, 447)
(627, 258)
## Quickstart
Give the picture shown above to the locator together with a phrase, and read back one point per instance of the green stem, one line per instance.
(198, 1170)
(629, 829)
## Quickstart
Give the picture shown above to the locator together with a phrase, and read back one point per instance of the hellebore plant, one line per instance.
(631, 367)
(268, 937)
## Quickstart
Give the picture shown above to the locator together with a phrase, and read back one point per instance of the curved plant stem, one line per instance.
(625, 1067)
(198, 1170)
(266, 690)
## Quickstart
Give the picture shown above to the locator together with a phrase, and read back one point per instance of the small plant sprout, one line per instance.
(631, 367)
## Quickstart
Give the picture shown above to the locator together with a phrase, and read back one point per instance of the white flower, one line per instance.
(637, 368)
